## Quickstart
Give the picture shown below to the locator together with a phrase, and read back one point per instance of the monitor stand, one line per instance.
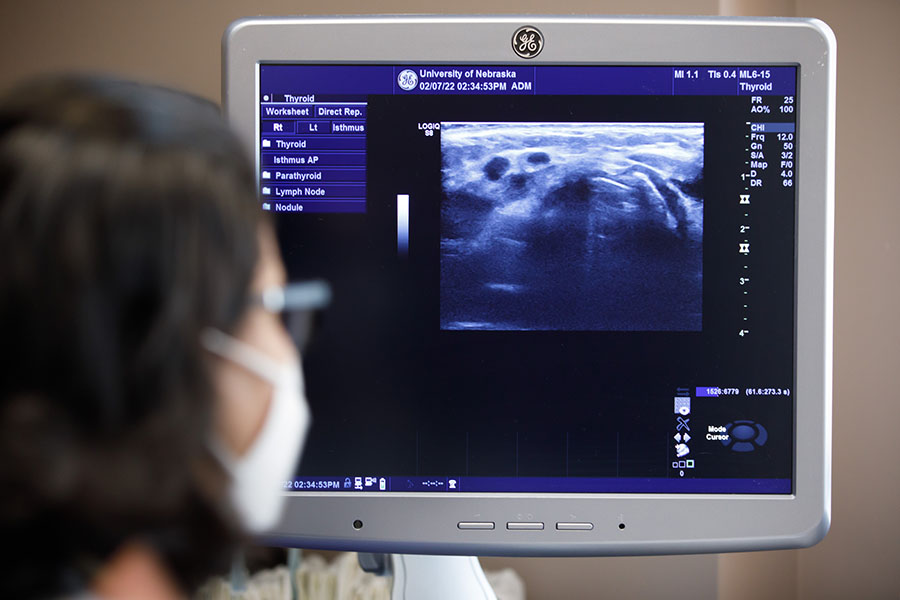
(420, 577)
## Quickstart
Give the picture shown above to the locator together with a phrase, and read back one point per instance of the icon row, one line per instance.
(361, 483)
(682, 427)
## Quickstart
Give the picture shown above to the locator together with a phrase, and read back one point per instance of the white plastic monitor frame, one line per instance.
(422, 523)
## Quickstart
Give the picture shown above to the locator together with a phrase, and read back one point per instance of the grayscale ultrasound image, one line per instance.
(572, 226)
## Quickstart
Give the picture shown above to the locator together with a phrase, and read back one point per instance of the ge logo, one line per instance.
(407, 80)
(527, 42)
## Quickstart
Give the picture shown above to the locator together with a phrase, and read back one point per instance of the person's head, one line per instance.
(129, 226)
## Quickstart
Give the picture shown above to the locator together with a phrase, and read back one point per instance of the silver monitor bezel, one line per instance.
(420, 523)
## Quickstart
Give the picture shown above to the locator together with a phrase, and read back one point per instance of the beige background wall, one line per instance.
(177, 42)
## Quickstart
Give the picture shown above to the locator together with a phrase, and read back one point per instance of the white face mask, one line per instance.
(258, 475)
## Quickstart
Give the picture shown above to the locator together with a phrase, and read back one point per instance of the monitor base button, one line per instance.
(475, 525)
(524, 525)
(574, 526)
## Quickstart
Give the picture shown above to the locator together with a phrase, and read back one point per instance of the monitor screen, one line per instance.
(550, 279)
(547, 279)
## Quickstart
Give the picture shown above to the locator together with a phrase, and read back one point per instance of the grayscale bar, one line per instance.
(402, 224)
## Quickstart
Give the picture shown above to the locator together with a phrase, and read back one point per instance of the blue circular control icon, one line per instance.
(743, 433)
(745, 436)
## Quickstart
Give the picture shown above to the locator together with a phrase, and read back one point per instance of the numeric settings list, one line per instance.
(767, 178)
(312, 155)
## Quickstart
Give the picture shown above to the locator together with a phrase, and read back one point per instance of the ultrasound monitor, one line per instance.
(581, 272)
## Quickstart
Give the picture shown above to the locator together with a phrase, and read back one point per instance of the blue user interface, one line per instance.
(546, 278)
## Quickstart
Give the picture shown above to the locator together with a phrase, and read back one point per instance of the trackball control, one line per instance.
(745, 436)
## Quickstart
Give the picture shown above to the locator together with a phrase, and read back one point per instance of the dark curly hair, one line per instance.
(128, 224)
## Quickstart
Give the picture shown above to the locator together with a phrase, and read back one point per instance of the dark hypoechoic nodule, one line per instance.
(572, 226)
